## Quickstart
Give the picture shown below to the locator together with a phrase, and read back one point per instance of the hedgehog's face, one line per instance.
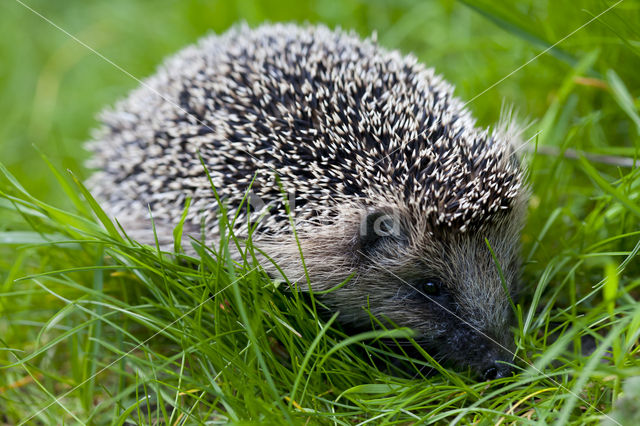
(445, 285)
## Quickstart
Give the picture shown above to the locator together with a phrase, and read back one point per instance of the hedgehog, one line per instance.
(399, 204)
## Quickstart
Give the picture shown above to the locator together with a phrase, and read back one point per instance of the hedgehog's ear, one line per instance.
(376, 226)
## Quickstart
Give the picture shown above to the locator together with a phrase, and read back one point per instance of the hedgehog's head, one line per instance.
(424, 260)
(445, 284)
(442, 283)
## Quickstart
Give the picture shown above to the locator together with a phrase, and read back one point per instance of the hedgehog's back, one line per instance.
(337, 118)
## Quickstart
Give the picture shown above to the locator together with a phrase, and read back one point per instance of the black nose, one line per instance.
(498, 370)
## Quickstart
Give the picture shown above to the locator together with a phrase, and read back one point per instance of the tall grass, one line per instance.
(95, 328)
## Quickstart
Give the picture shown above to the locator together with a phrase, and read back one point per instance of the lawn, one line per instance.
(97, 329)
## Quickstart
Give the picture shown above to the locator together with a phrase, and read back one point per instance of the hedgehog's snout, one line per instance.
(488, 354)
(496, 365)
(493, 358)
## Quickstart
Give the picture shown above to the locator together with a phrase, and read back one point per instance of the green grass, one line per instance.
(97, 329)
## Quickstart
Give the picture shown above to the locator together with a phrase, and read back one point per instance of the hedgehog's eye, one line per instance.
(431, 288)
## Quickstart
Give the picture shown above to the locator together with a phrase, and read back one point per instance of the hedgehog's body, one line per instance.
(393, 183)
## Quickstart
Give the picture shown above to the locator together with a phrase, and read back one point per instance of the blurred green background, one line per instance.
(583, 94)
(52, 87)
